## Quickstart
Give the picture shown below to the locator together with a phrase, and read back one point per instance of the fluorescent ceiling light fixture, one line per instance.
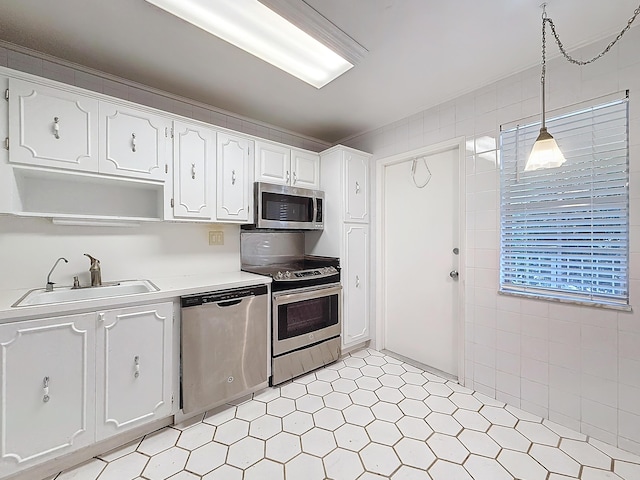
(251, 26)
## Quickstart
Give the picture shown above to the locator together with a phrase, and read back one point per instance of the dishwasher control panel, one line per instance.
(221, 296)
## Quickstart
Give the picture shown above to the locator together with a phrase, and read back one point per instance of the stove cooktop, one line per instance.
(304, 272)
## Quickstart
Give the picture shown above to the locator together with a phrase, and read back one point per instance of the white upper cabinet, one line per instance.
(133, 367)
(306, 169)
(194, 153)
(133, 142)
(234, 192)
(273, 163)
(281, 165)
(356, 187)
(51, 127)
(47, 389)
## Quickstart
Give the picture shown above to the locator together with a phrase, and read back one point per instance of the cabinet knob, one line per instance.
(56, 127)
(136, 361)
(133, 142)
(233, 177)
(193, 171)
(357, 187)
(357, 281)
(45, 389)
(288, 176)
(295, 178)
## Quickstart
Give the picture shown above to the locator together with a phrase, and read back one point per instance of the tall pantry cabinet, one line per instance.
(344, 177)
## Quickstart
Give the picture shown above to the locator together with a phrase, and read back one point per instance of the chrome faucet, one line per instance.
(96, 276)
(49, 286)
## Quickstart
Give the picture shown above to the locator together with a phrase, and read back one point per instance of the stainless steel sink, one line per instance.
(40, 296)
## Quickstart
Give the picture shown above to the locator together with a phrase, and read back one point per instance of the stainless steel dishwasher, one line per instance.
(224, 345)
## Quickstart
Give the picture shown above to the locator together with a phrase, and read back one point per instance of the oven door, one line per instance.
(306, 316)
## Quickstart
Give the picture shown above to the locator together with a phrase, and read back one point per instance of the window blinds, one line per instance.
(564, 232)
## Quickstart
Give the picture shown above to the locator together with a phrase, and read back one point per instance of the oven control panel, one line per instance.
(315, 272)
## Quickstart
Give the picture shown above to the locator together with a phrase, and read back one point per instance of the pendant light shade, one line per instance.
(545, 153)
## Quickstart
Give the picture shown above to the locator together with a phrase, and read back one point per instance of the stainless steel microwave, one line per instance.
(291, 208)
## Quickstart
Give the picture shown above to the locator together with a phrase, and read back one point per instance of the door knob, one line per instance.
(453, 274)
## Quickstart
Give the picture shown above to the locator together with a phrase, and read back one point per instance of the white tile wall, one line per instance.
(578, 366)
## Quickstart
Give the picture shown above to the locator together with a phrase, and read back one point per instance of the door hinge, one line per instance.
(166, 168)
(172, 203)
(6, 143)
(6, 94)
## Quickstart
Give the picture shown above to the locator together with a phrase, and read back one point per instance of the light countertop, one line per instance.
(170, 288)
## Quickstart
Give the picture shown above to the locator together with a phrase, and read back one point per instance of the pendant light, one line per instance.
(545, 152)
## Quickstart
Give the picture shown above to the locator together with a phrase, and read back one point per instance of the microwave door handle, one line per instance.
(315, 209)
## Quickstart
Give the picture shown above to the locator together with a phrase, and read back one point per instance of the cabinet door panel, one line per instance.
(233, 180)
(355, 328)
(133, 142)
(194, 158)
(133, 367)
(273, 163)
(52, 128)
(48, 389)
(357, 188)
(306, 169)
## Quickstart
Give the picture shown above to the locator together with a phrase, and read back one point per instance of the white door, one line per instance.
(47, 388)
(273, 163)
(133, 367)
(356, 188)
(234, 187)
(51, 127)
(420, 238)
(194, 151)
(306, 169)
(355, 281)
(132, 143)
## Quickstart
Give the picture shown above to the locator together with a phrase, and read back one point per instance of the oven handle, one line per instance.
(288, 297)
(315, 210)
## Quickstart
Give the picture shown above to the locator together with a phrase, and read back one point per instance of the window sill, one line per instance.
(570, 301)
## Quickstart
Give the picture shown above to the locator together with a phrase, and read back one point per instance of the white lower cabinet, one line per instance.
(47, 388)
(355, 327)
(69, 381)
(133, 367)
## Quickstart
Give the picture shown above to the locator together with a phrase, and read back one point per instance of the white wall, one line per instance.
(30, 246)
(578, 366)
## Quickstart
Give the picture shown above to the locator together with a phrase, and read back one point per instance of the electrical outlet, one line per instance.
(216, 237)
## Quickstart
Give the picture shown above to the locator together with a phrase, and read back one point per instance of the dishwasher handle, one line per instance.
(229, 303)
(222, 297)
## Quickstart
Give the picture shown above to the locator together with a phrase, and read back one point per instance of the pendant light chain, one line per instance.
(546, 19)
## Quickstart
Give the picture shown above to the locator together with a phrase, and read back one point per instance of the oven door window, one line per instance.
(286, 208)
(306, 316)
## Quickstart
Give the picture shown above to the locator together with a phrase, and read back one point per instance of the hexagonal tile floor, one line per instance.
(368, 416)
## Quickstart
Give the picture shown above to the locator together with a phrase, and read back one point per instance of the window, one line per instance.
(564, 232)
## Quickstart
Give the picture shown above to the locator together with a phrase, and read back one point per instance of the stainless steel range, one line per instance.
(307, 301)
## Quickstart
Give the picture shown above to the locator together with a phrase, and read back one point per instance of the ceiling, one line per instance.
(421, 53)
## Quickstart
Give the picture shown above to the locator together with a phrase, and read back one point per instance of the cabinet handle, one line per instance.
(357, 281)
(193, 171)
(136, 361)
(233, 177)
(357, 187)
(288, 176)
(45, 388)
(56, 127)
(133, 142)
(295, 178)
